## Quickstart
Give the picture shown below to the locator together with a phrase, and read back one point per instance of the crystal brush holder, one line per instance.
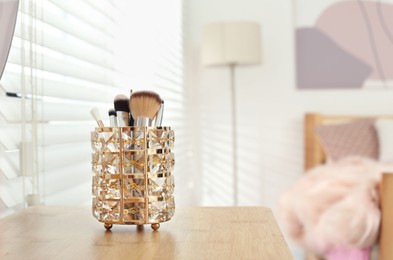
(132, 175)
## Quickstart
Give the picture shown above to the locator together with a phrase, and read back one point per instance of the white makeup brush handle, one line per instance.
(122, 118)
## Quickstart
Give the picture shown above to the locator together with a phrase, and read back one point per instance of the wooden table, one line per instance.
(194, 233)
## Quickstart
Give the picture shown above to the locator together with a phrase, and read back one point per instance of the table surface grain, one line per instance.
(194, 233)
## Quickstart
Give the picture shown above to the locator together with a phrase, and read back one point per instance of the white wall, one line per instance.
(270, 108)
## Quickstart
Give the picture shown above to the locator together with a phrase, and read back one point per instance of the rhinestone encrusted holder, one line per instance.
(132, 179)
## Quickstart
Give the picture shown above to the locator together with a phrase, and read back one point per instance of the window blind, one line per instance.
(67, 57)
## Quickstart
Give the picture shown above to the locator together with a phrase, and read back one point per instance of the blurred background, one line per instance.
(69, 56)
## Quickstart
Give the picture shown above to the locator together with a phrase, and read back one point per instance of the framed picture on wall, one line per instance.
(343, 44)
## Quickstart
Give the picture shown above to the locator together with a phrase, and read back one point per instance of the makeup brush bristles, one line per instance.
(111, 112)
(121, 103)
(112, 117)
(122, 109)
(96, 115)
(144, 104)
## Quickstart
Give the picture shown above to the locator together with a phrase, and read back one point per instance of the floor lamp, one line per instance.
(232, 44)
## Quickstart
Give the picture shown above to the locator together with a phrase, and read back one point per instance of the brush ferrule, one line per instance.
(159, 116)
(143, 121)
(122, 118)
(112, 121)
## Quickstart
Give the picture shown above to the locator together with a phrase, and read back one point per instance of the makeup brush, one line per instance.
(96, 115)
(160, 114)
(131, 121)
(144, 107)
(112, 117)
(122, 110)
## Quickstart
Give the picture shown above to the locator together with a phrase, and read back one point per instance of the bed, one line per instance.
(314, 155)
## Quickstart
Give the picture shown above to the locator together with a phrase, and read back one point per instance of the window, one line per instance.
(66, 58)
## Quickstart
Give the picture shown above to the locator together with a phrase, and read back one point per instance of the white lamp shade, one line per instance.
(231, 43)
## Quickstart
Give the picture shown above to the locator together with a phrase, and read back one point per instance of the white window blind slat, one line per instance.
(66, 89)
(66, 67)
(60, 156)
(171, 67)
(9, 163)
(168, 80)
(94, 18)
(58, 180)
(67, 23)
(70, 133)
(10, 110)
(73, 47)
(50, 111)
(105, 8)
(10, 192)
(75, 194)
(9, 136)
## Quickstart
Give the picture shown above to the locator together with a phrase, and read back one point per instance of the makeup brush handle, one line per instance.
(113, 121)
(122, 118)
(100, 123)
(159, 116)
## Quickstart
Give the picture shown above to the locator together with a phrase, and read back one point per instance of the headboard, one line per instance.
(314, 155)
(313, 152)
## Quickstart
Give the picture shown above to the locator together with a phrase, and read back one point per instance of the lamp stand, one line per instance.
(234, 133)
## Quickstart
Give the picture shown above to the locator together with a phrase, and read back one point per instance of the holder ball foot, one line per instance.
(108, 226)
(155, 226)
(139, 228)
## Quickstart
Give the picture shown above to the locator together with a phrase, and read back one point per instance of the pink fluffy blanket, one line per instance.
(335, 206)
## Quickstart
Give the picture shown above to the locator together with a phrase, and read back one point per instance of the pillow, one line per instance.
(354, 138)
(384, 129)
